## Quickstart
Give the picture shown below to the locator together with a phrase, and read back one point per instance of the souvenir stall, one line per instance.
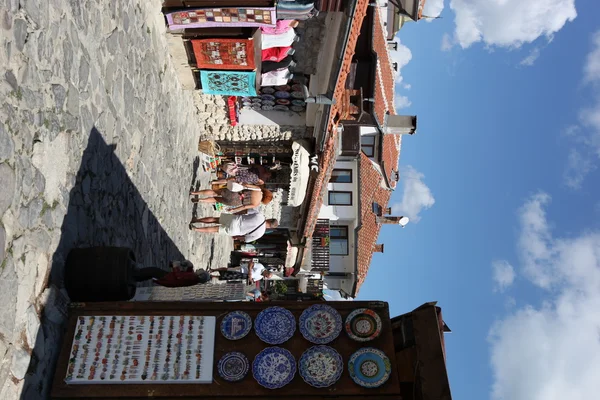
(292, 162)
(244, 350)
(225, 45)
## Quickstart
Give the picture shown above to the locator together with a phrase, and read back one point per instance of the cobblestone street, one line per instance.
(97, 147)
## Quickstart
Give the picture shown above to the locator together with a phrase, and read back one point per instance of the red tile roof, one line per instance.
(384, 94)
(371, 179)
(329, 155)
(370, 191)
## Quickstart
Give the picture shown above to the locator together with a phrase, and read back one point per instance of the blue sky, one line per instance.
(502, 177)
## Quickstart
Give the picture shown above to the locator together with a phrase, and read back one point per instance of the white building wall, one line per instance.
(336, 212)
(344, 263)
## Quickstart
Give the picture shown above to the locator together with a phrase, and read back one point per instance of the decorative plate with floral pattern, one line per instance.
(321, 366)
(363, 324)
(320, 324)
(369, 367)
(274, 367)
(275, 325)
(233, 366)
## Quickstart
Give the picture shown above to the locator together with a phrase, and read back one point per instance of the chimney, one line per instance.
(402, 221)
(400, 124)
(393, 46)
(378, 248)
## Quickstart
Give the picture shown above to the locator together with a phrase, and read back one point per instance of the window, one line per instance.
(367, 144)
(340, 198)
(341, 176)
(338, 240)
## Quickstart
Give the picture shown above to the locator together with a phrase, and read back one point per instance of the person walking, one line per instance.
(240, 196)
(247, 227)
(251, 272)
(182, 274)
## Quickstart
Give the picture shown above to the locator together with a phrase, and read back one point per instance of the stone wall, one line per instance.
(212, 111)
(312, 32)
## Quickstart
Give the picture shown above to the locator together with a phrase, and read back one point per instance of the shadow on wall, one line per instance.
(105, 209)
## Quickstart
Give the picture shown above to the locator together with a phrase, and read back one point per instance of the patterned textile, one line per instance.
(245, 176)
(276, 78)
(292, 10)
(232, 275)
(281, 40)
(283, 25)
(275, 54)
(211, 17)
(228, 83)
(224, 53)
(268, 66)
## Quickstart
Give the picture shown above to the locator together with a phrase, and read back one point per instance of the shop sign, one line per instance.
(300, 171)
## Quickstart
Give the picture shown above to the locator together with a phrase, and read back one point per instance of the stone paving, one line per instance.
(97, 147)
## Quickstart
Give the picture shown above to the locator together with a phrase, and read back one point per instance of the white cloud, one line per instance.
(586, 134)
(406, 86)
(578, 167)
(416, 196)
(433, 8)
(447, 43)
(531, 58)
(401, 101)
(509, 23)
(551, 351)
(402, 57)
(503, 274)
(592, 64)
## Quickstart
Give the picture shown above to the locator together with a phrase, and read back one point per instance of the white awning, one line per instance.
(299, 175)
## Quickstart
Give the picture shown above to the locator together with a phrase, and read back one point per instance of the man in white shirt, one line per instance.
(252, 272)
(247, 227)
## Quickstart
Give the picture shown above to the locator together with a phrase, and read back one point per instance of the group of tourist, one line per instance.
(243, 190)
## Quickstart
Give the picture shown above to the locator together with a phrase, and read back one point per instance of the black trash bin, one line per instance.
(100, 274)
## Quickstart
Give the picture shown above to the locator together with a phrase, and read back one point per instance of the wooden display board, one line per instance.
(250, 345)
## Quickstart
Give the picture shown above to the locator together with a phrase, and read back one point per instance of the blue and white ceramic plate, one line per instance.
(369, 367)
(274, 367)
(275, 325)
(236, 325)
(320, 324)
(233, 366)
(320, 366)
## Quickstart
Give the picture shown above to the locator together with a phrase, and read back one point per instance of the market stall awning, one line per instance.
(299, 175)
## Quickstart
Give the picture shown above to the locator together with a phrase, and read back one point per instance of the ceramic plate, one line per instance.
(297, 87)
(274, 367)
(267, 108)
(363, 324)
(320, 324)
(233, 366)
(268, 103)
(282, 102)
(267, 97)
(285, 88)
(297, 95)
(369, 367)
(275, 325)
(320, 366)
(297, 108)
(267, 90)
(282, 95)
(281, 108)
(298, 103)
(236, 325)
